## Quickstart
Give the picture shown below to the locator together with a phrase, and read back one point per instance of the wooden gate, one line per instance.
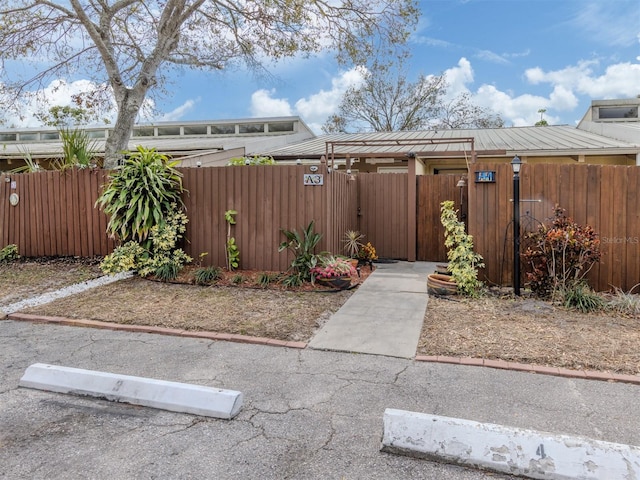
(431, 191)
(383, 212)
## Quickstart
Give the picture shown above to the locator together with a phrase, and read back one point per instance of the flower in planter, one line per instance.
(367, 253)
(333, 267)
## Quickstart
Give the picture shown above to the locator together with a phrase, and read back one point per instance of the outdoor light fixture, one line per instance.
(298, 162)
(462, 184)
(7, 179)
(198, 164)
(516, 164)
(247, 161)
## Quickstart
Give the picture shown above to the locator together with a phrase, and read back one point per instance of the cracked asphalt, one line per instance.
(307, 414)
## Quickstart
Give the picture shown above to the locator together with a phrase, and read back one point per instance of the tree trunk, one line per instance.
(129, 103)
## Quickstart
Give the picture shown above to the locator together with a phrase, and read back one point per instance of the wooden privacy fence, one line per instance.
(267, 199)
(605, 197)
(54, 215)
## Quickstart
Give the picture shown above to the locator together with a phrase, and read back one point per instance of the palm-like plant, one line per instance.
(352, 242)
(302, 246)
(140, 193)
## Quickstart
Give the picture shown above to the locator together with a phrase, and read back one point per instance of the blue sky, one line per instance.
(514, 56)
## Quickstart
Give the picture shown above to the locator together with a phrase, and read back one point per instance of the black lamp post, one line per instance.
(516, 164)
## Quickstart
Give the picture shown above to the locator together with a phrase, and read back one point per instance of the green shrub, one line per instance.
(255, 160)
(302, 246)
(125, 258)
(231, 248)
(162, 258)
(207, 275)
(582, 298)
(78, 150)
(168, 270)
(463, 261)
(9, 253)
(559, 256)
(139, 195)
(264, 279)
(292, 280)
(237, 279)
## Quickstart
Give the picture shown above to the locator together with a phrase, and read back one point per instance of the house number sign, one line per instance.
(313, 179)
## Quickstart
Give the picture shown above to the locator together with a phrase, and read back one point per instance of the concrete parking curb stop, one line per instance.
(508, 450)
(148, 392)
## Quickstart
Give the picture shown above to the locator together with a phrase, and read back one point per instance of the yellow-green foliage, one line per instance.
(463, 261)
(124, 258)
(163, 255)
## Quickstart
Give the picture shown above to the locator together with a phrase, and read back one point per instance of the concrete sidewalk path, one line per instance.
(384, 316)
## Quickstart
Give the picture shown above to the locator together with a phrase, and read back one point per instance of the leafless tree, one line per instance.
(386, 101)
(129, 47)
(462, 113)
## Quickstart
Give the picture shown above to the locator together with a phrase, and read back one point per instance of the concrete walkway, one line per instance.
(384, 316)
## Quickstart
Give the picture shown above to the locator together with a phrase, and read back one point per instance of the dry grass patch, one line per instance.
(277, 314)
(24, 279)
(530, 331)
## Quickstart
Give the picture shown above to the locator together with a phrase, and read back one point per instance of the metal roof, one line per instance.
(38, 142)
(530, 141)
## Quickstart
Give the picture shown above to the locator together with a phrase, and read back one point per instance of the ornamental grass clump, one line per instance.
(463, 261)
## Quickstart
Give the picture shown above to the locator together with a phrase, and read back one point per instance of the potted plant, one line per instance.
(352, 243)
(463, 261)
(367, 254)
(333, 271)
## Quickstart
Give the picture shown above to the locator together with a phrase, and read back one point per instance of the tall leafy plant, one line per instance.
(231, 247)
(78, 150)
(302, 246)
(463, 261)
(559, 256)
(139, 194)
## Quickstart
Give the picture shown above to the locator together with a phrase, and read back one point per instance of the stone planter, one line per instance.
(339, 283)
(438, 284)
(442, 269)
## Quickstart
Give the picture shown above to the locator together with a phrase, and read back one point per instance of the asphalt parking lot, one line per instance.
(307, 414)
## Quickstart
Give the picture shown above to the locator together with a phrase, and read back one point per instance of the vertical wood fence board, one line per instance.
(620, 226)
(633, 229)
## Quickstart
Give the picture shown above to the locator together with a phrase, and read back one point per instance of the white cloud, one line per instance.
(264, 105)
(58, 93)
(518, 110)
(179, 112)
(314, 109)
(613, 23)
(490, 56)
(620, 80)
(458, 77)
